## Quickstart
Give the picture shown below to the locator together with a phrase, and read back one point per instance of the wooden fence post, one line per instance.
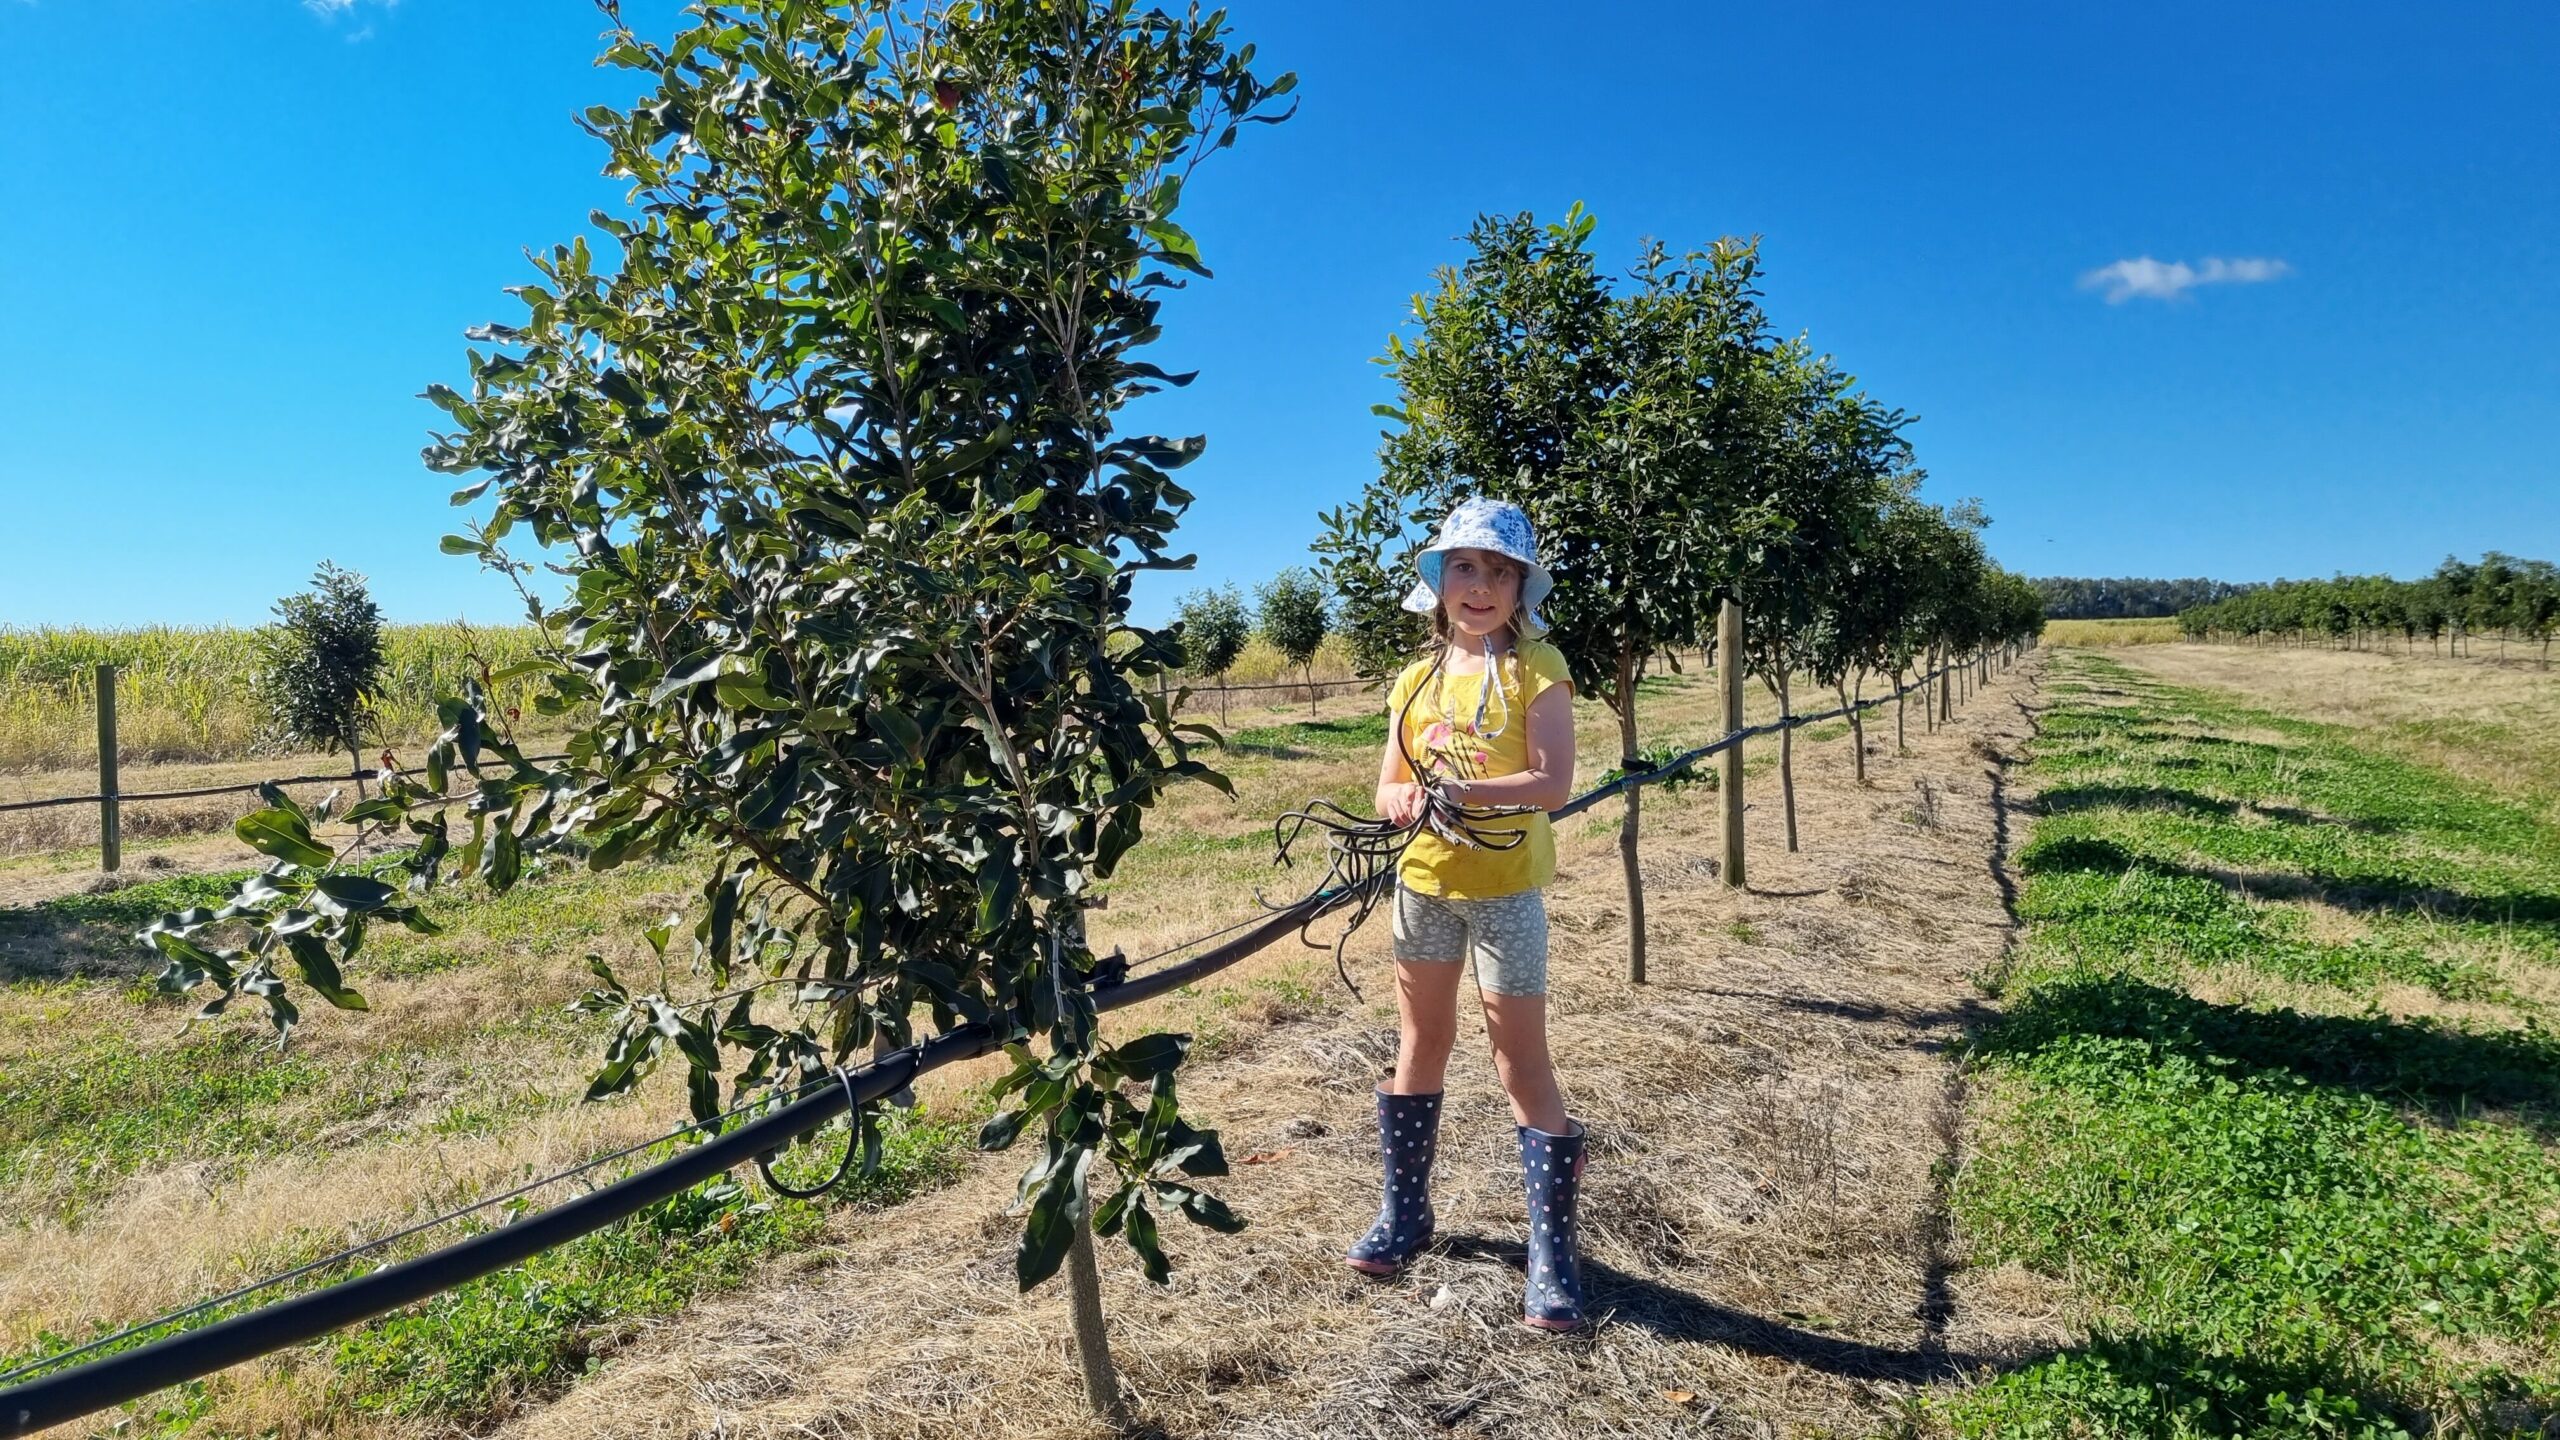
(110, 818)
(1729, 662)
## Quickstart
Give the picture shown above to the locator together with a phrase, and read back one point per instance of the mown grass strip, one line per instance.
(2281, 1221)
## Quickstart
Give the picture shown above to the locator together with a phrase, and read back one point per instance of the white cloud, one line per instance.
(2150, 279)
(332, 9)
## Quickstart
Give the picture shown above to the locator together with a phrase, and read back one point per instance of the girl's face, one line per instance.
(1478, 591)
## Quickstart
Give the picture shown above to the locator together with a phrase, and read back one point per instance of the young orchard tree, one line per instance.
(1832, 458)
(319, 666)
(1214, 629)
(1861, 613)
(1291, 607)
(830, 456)
(1606, 415)
(1369, 585)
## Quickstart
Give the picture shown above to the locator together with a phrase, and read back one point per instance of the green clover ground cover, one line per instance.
(2284, 1222)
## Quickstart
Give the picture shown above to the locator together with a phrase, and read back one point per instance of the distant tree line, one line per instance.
(2071, 597)
(2501, 597)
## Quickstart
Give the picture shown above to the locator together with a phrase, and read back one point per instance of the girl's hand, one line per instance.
(1399, 802)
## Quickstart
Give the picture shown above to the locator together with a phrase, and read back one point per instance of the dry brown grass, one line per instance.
(1766, 1241)
(2496, 726)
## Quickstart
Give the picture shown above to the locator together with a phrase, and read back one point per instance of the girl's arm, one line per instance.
(1548, 782)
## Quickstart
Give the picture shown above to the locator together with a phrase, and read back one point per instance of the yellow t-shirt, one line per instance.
(1444, 741)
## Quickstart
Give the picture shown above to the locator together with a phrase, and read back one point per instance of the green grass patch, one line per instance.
(1351, 732)
(2281, 1223)
(529, 1331)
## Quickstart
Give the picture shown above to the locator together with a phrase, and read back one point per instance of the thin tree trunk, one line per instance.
(1222, 699)
(1901, 739)
(1084, 1282)
(1093, 1346)
(1857, 734)
(1311, 690)
(1787, 756)
(1630, 756)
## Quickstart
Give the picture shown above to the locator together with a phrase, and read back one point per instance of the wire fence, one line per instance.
(55, 1394)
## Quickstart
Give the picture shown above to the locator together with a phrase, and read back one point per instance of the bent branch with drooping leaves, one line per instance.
(828, 461)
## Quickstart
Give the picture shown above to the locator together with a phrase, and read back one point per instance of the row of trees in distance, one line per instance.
(2128, 598)
(2500, 595)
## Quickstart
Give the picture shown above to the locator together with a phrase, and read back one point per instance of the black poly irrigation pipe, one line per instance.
(131, 798)
(101, 1384)
(1277, 685)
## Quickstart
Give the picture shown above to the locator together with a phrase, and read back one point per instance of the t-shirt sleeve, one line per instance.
(1543, 668)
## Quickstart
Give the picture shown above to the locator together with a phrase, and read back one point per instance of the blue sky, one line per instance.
(2226, 290)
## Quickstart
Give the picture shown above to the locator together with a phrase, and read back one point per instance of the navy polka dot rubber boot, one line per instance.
(1552, 1168)
(1408, 1138)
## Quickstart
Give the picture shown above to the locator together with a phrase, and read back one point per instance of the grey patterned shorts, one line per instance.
(1506, 936)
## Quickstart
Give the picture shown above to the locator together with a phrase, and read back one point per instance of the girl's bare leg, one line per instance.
(1427, 1005)
(1517, 1025)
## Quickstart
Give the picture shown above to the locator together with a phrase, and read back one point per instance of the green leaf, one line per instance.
(690, 673)
(769, 803)
(381, 809)
(351, 894)
(502, 860)
(1177, 245)
(1150, 1247)
(1002, 1129)
(899, 729)
(1149, 1055)
(284, 836)
(320, 971)
(999, 889)
(1051, 1228)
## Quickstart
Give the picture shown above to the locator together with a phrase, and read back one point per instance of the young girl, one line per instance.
(1488, 719)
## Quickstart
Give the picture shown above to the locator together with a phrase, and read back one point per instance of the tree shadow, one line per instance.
(1617, 1297)
(2174, 800)
(2359, 891)
(2066, 799)
(2156, 1384)
(40, 944)
(2422, 1062)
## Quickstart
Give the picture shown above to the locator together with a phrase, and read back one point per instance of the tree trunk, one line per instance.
(1222, 699)
(355, 756)
(1629, 755)
(1901, 741)
(1311, 690)
(1093, 1346)
(1787, 756)
(1729, 670)
(1857, 734)
(1946, 689)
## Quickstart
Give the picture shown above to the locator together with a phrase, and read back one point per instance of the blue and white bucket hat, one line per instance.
(1496, 525)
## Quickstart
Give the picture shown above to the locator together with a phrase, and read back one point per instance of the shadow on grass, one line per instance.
(2167, 1386)
(2422, 1062)
(1620, 1298)
(2536, 909)
(41, 943)
(2065, 799)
